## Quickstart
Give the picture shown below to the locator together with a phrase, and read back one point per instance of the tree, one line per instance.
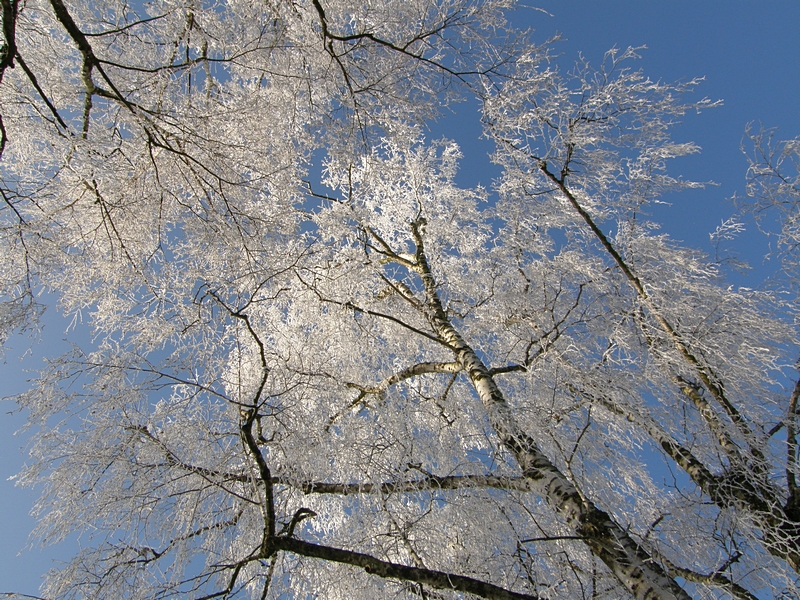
(773, 186)
(373, 382)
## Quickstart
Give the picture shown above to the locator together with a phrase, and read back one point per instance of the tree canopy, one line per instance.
(323, 368)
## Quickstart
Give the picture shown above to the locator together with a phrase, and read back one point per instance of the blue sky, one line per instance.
(749, 54)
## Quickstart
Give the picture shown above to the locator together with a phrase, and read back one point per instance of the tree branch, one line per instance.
(429, 483)
(388, 570)
(409, 372)
(40, 91)
(791, 450)
(716, 578)
(697, 366)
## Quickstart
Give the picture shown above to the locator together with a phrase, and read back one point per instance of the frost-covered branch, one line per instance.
(714, 387)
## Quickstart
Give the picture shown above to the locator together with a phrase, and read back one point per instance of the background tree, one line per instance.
(375, 383)
(773, 196)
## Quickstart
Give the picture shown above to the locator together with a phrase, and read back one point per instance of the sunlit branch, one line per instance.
(108, 222)
(430, 483)
(388, 250)
(235, 569)
(401, 531)
(715, 579)
(381, 389)
(300, 515)
(508, 369)
(403, 291)
(407, 373)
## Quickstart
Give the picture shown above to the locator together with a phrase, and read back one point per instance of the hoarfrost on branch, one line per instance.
(321, 367)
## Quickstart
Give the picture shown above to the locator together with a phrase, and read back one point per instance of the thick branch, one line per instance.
(40, 91)
(90, 61)
(7, 53)
(429, 483)
(716, 579)
(436, 579)
(246, 427)
(412, 371)
(9, 48)
(264, 473)
(791, 448)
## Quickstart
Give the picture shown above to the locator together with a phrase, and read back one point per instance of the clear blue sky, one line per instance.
(749, 53)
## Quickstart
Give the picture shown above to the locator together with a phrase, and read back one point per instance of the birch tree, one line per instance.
(322, 368)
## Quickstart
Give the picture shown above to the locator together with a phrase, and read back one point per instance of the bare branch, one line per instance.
(436, 579)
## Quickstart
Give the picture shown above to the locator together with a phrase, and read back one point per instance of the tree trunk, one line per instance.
(630, 563)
